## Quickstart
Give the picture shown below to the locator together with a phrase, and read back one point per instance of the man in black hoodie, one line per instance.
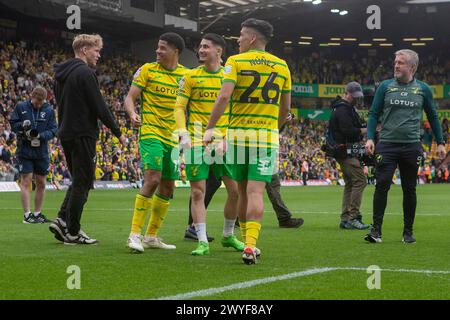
(346, 127)
(80, 106)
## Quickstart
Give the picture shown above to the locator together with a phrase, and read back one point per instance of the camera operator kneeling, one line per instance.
(347, 129)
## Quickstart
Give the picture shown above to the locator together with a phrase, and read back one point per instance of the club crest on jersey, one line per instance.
(182, 82)
(227, 69)
(378, 158)
(138, 72)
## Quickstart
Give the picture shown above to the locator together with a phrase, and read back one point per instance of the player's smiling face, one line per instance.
(246, 39)
(164, 52)
(207, 51)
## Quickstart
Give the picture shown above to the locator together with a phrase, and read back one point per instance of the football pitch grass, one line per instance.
(316, 261)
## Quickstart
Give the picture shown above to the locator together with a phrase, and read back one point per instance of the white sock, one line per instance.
(37, 213)
(228, 227)
(200, 229)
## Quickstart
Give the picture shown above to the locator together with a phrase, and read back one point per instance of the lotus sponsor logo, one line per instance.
(405, 103)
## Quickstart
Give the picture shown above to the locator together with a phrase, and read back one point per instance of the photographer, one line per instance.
(34, 123)
(346, 127)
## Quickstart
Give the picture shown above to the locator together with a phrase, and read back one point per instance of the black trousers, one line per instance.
(388, 156)
(272, 188)
(80, 156)
(273, 191)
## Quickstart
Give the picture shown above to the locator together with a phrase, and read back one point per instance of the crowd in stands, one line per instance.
(325, 68)
(24, 65)
(301, 141)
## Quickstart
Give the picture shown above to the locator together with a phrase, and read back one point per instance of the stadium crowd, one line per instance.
(329, 69)
(27, 64)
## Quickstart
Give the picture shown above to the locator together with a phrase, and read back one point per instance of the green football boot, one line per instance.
(202, 249)
(232, 242)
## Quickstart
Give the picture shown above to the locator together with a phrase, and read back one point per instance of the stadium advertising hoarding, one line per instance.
(9, 186)
(447, 91)
(311, 182)
(314, 114)
(325, 114)
(333, 90)
(445, 113)
(305, 90)
(438, 91)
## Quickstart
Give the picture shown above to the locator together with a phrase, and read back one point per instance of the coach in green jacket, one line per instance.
(398, 105)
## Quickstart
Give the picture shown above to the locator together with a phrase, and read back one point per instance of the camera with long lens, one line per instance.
(30, 133)
(26, 125)
(33, 133)
(358, 150)
(28, 130)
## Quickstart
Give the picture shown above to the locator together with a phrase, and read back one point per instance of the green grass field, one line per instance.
(33, 264)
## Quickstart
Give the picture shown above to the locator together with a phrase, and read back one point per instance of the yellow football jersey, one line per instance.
(159, 92)
(198, 91)
(260, 78)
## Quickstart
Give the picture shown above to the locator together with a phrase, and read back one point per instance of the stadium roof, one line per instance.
(314, 18)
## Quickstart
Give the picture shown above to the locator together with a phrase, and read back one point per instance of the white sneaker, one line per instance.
(135, 243)
(257, 252)
(156, 243)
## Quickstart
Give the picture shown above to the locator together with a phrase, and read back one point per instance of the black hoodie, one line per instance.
(80, 103)
(345, 123)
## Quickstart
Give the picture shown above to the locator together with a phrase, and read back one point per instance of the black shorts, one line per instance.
(36, 166)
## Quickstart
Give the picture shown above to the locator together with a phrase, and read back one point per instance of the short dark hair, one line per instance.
(262, 26)
(216, 39)
(174, 39)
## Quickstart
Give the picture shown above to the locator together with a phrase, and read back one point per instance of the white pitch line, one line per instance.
(242, 285)
(252, 283)
(266, 211)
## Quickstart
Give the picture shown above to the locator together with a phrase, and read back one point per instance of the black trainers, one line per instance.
(31, 219)
(58, 228)
(81, 238)
(291, 223)
(373, 237)
(41, 218)
(408, 238)
(191, 234)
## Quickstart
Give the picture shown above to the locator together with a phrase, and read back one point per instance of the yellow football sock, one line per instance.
(160, 208)
(141, 208)
(243, 227)
(252, 233)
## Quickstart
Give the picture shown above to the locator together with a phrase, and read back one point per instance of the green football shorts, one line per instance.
(157, 155)
(251, 163)
(199, 163)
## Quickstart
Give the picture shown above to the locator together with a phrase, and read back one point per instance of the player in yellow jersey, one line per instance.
(198, 91)
(157, 85)
(259, 85)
